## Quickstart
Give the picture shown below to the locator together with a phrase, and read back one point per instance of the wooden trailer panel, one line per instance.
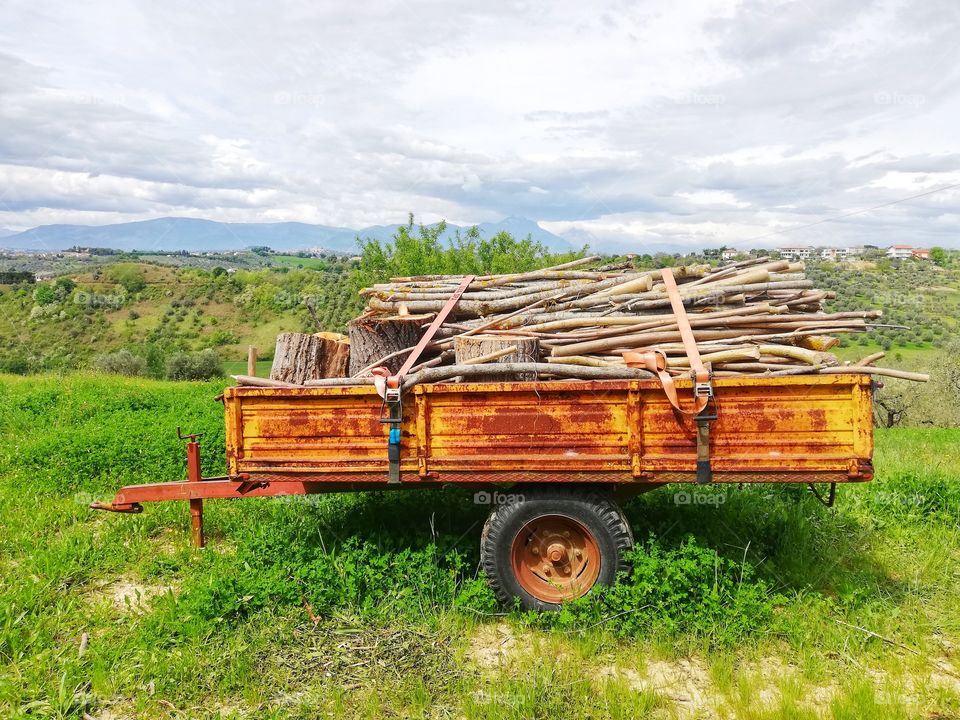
(788, 429)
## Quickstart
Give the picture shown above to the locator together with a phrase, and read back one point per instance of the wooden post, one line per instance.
(252, 361)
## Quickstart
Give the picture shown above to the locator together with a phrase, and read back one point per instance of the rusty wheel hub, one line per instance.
(555, 558)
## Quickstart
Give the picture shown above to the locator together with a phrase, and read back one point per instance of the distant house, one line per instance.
(921, 253)
(796, 252)
(900, 252)
(841, 253)
(730, 254)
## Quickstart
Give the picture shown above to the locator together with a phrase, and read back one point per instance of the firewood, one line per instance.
(299, 357)
(522, 350)
(379, 339)
(758, 316)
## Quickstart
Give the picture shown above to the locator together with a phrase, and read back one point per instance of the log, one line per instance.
(300, 357)
(524, 350)
(888, 372)
(383, 338)
(254, 381)
(471, 372)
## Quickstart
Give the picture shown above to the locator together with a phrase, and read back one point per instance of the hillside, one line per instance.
(155, 306)
(155, 310)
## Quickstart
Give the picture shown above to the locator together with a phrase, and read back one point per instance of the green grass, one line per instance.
(240, 367)
(742, 608)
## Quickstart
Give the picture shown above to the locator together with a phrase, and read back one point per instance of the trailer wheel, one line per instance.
(553, 545)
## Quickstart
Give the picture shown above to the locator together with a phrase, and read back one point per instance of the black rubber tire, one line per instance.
(594, 508)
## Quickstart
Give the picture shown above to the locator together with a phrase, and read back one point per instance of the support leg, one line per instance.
(196, 506)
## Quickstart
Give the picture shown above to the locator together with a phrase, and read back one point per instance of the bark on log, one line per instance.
(374, 338)
(471, 372)
(300, 357)
(526, 350)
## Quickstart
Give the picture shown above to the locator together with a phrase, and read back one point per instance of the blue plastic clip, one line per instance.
(394, 436)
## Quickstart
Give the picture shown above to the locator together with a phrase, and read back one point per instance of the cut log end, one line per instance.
(373, 339)
(474, 347)
(300, 357)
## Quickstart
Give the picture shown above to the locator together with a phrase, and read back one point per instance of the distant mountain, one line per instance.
(4, 232)
(171, 234)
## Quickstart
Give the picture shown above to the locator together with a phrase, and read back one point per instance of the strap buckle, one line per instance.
(703, 389)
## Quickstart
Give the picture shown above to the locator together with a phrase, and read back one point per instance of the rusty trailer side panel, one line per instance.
(789, 429)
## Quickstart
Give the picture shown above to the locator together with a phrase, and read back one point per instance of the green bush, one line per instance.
(122, 362)
(203, 365)
(223, 337)
(130, 277)
(44, 295)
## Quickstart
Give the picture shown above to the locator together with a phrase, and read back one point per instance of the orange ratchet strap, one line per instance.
(389, 386)
(656, 362)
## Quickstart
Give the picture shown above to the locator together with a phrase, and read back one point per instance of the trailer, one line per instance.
(553, 458)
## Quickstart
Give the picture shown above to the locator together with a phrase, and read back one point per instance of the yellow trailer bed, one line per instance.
(814, 428)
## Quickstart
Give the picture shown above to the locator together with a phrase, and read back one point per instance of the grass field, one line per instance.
(759, 604)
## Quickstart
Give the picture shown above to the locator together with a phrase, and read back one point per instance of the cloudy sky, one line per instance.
(693, 123)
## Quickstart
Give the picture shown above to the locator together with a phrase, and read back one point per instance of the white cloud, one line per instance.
(680, 123)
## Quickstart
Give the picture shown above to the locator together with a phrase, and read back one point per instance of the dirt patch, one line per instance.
(688, 685)
(491, 646)
(685, 680)
(129, 596)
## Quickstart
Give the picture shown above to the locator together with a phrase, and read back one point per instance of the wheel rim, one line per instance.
(555, 558)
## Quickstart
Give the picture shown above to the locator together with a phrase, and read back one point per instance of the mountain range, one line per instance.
(176, 233)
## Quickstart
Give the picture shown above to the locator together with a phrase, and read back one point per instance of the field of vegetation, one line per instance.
(157, 307)
(757, 604)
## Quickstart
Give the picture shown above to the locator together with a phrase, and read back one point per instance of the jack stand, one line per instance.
(193, 475)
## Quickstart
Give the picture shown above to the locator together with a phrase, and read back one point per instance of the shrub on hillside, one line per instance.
(203, 365)
(122, 362)
(44, 295)
(130, 277)
(223, 337)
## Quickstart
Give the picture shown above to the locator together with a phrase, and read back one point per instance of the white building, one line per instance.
(900, 252)
(799, 252)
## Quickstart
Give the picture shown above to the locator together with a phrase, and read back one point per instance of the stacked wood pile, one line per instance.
(576, 320)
